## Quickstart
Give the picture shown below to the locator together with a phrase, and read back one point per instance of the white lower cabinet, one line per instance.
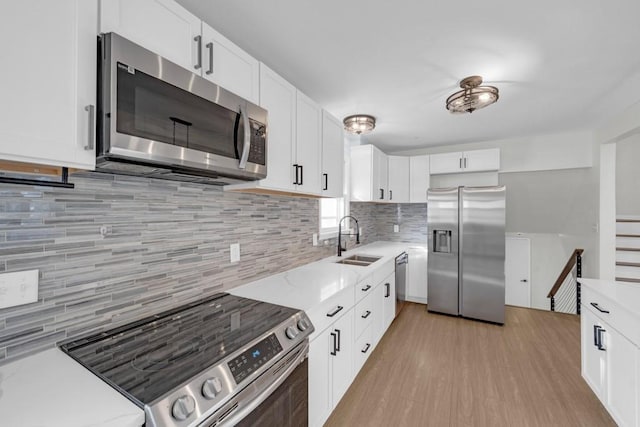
(417, 275)
(610, 361)
(330, 368)
(389, 301)
(362, 349)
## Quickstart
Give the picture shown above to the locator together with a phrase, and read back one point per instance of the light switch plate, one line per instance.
(315, 239)
(20, 287)
(234, 252)
(396, 228)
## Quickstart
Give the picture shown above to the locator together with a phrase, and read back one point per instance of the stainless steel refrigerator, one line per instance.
(466, 227)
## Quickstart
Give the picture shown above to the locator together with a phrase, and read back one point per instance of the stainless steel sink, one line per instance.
(361, 260)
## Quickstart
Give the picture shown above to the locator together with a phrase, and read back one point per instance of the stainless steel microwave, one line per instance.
(158, 119)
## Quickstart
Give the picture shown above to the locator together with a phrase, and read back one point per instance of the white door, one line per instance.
(398, 179)
(342, 361)
(517, 264)
(319, 378)
(48, 82)
(227, 65)
(445, 163)
(380, 176)
(278, 97)
(161, 26)
(481, 160)
(332, 156)
(308, 144)
(622, 383)
(419, 177)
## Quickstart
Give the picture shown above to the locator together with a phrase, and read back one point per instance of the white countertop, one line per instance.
(53, 390)
(307, 286)
(626, 295)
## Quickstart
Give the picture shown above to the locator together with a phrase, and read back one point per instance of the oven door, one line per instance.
(279, 397)
(154, 111)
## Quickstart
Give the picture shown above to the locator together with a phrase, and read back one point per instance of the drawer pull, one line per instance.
(366, 348)
(600, 346)
(366, 288)
(597, 307)
(366, 314)
(334, 352)
(337, 310)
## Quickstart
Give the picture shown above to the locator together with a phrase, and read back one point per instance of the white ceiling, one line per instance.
(559, 65)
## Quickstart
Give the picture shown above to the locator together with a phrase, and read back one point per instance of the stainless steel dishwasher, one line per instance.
(401, 281)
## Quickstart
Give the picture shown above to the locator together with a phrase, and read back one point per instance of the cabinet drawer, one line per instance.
(383, 271)
(610, 312)
(330, 310)
(365, 287)
(363, 314)
(363, 348)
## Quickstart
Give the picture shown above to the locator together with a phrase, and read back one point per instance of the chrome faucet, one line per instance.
(357, 234)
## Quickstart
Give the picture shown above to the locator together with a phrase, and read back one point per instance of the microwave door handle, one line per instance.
(246, 147)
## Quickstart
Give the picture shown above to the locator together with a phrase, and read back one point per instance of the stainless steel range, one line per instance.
(222, 361)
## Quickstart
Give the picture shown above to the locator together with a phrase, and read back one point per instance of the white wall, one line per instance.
(628, 176)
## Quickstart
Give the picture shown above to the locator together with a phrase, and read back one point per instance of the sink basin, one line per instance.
(361, 260)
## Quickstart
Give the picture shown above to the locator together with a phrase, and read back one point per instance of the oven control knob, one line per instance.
(303, 325)
(291, 332)
(211, 387)
(183, 407)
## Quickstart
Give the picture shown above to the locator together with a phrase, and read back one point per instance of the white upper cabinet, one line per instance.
(369, 174)
(166, 28)
(278, 97)
(161, 26)
(227, 65)
(418, 178)
(332, 156)
(465, 161)
(308, 147)
(47, 113)
(399, 179)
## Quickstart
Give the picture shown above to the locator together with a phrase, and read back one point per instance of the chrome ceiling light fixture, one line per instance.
(472, 96)
(359, 123)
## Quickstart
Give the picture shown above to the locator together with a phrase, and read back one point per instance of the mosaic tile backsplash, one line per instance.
(164, 243)
(378, 219)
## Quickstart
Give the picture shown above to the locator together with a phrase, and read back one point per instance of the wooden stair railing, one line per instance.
(574, 260)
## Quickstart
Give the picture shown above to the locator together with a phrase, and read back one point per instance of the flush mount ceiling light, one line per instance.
(359, 123)
(472, 97)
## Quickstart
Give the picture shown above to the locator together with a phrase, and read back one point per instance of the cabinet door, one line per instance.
(481, 160)
(227, 65)
(362, 349)
(342, 361)
(278, 97)
(445, 163)
(398, 179)
(389, 308)
(46, 89)
(320, 378)
(622, 385)
(332, 156)
(417, 275)
(418, 178)
(308, 144)
(593, 359)
(378, 327)
(361, 169)
(380, 176)
(162, 26)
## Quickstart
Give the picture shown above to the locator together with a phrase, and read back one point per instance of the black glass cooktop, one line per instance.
(148, 358)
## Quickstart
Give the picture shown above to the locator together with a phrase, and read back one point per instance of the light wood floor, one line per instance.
(436, 370)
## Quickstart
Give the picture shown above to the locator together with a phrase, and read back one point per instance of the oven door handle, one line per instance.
(246, 147)
(246, 409)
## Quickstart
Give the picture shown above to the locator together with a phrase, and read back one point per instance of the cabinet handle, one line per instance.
(460, 162)
(338, 332)
(595, 334)
(301, 174)
(296, 181)
(465, 162)
(600, 347)
(366, 314)
(382, 194)
(366, 348)
(366, 288)
(334, 352)
(326, 181)
(92, 127)
(597, 307)
(198, 40)
(388, 294)
(390, 195)
(210, 47)
(337, 310)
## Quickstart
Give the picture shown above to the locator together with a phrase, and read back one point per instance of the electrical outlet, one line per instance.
(234, 252)
(18, 288)
(315, 239)
(396, 228)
